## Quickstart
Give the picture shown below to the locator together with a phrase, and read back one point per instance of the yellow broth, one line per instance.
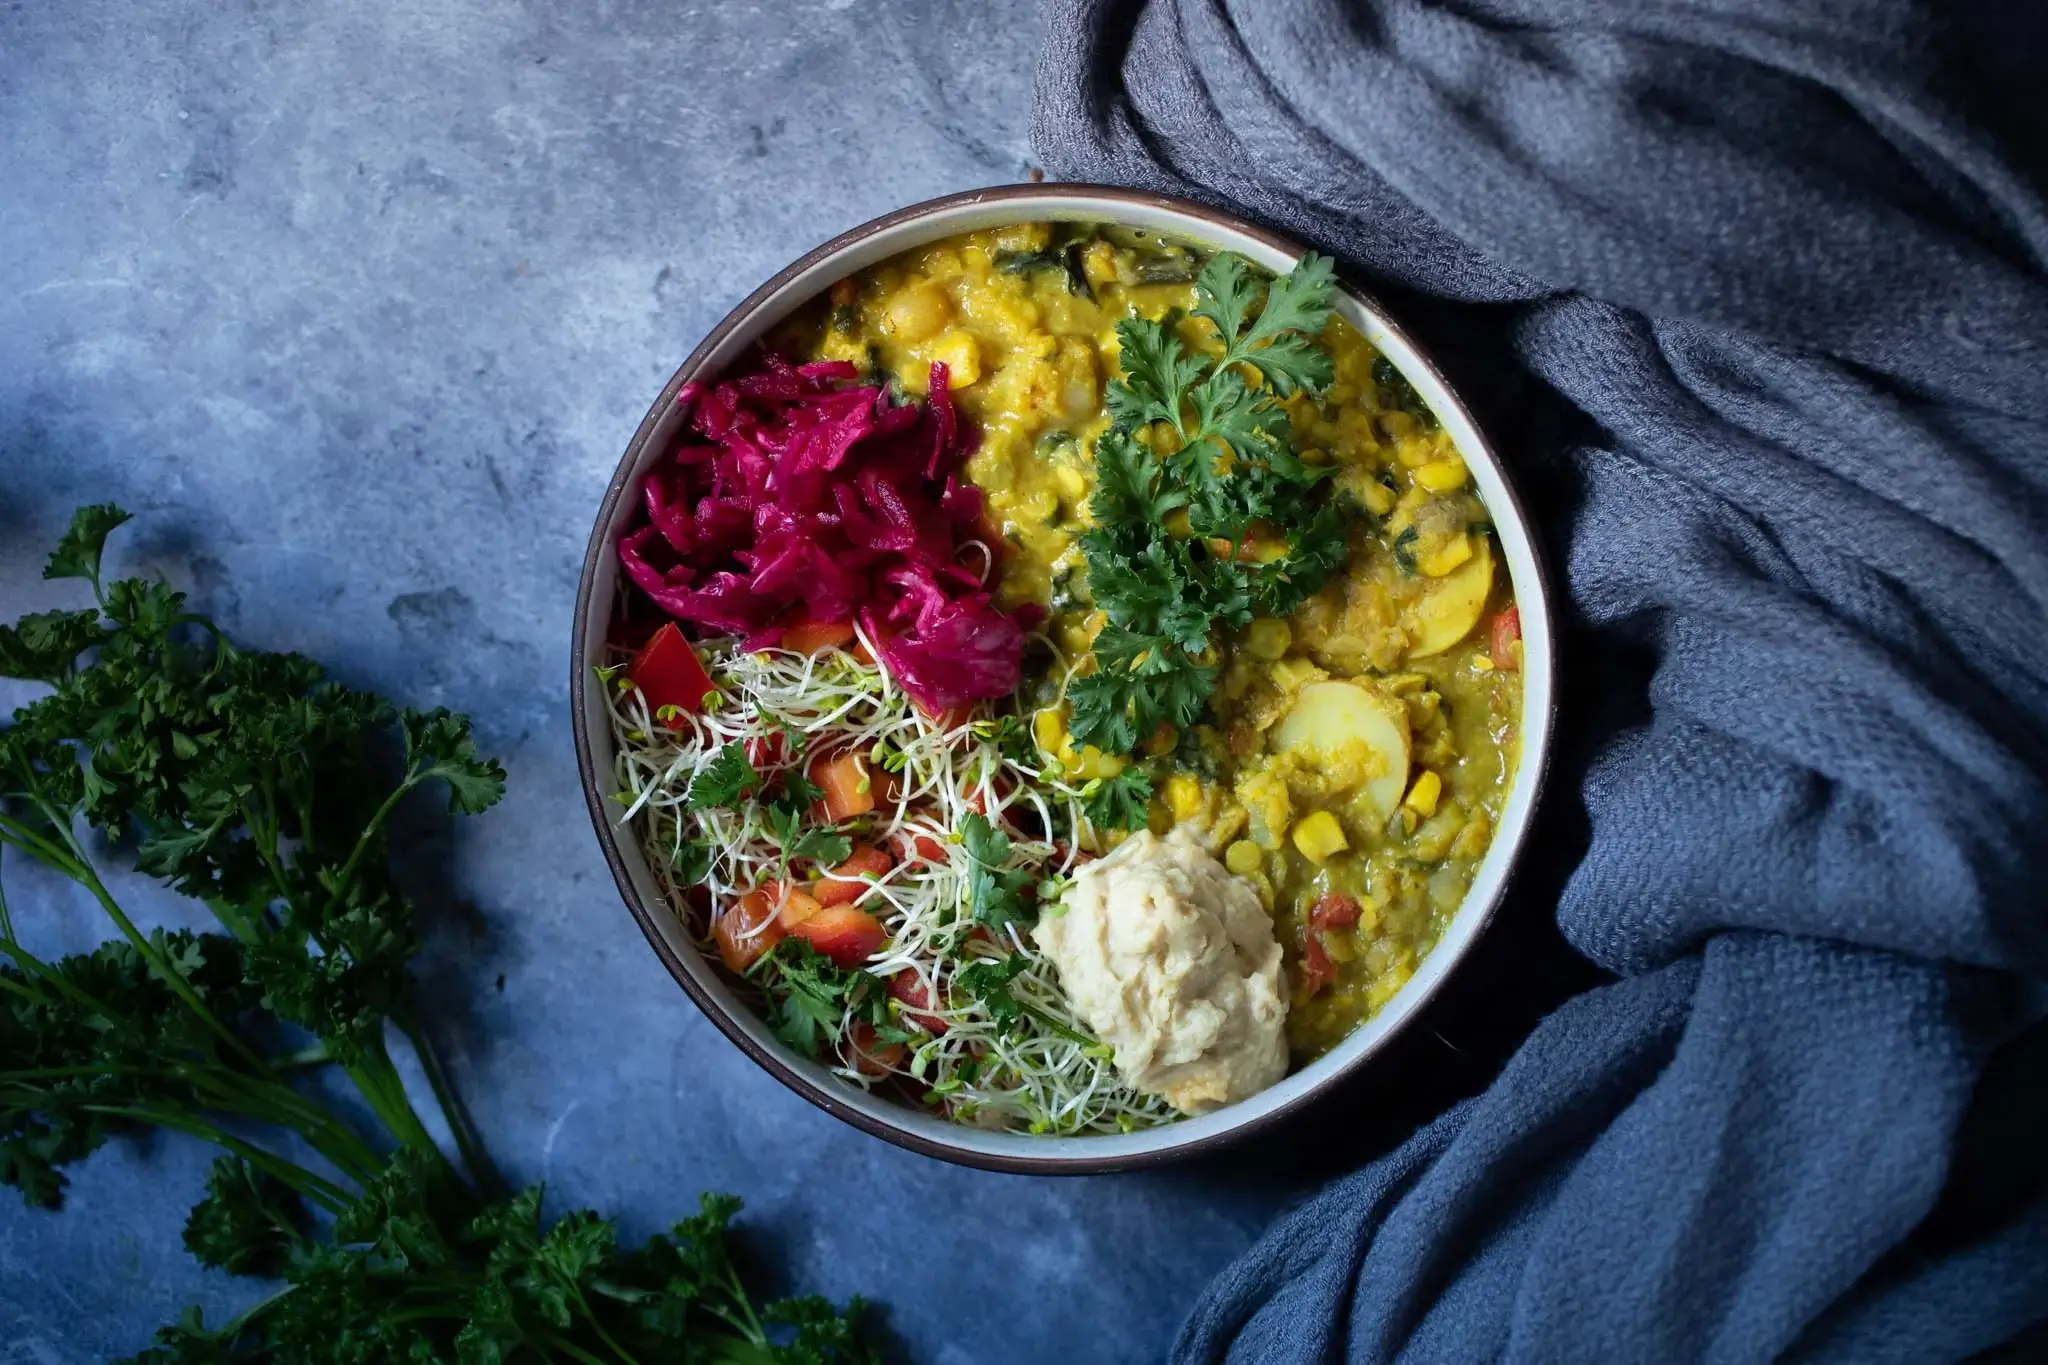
(1024, 317)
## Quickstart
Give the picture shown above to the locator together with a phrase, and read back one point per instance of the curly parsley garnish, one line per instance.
(254, 784)
(1203, 435)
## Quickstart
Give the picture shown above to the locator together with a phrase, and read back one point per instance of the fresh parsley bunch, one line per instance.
(254, 784)
(1203, 434)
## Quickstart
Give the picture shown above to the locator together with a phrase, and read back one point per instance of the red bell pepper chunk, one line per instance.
(668, 673)
(1507, 633)
(846, 934)
(916, 998)
(1317, 971)
(1335, 912)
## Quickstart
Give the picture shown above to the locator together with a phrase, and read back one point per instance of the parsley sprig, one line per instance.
(268, 792)
(1203, 433)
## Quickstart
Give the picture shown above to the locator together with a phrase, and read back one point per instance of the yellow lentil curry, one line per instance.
(1355, 755)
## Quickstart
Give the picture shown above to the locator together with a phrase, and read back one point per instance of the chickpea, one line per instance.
(916, 312)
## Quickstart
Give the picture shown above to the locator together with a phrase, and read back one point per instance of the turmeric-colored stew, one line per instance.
(1224, 575)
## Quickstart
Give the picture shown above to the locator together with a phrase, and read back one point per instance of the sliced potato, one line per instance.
(1335, 719)
(1453, 605)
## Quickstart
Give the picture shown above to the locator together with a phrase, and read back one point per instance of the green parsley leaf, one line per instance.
(988, 979)
(725, 781)
(1157, 370)
(998, 895)
(1118, 802)
(1235, 471)
(438, 745)
(249, 1223)
(78, 552)
(813, 996)
(1128, 484)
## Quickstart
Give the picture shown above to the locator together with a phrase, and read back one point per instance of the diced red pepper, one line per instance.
(1506, 635)
(807, 636)
(797, 907)
(845, 883)
(1334, 912)
(748, 929)
(871, 1056)
(1317, 971)
(846, 934)
(767, 751)
(843, 777)
(668, 673)
(919, 848)
(916, 998)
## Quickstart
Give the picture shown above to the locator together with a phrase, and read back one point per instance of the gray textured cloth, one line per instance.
(1752, 294)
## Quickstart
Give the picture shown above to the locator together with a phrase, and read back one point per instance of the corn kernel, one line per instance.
(1442, 476)
(1093, 763)
(1072, 486)
(1340, 946)
(960, 355)
(1162, 740)
(1183, 796)
(1445, 557)
(1098, 263)
(1049, 728)
(1377, 497)
(1423, 796)
(1291, 674)
(1268, 638)
(1242, 857)
(1319, 836)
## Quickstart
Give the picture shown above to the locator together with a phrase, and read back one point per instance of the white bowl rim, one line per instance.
(776, 300)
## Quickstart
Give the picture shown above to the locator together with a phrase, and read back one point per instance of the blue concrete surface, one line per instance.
(356, 305)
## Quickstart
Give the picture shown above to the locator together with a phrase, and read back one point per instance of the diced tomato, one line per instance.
(767, 751)
(952, 718)
(1507, 633)
(668, 673)
(843, 777)
(844, 884)
(916, 998)
(747, 929)
(872, 1056)
(982, 804)
(844, 933)
(919, 848)
(1317, 971)
(797, 907)
(1334, 912)
(807, 636)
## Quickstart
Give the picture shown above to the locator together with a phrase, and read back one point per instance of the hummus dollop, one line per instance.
(1171, 960)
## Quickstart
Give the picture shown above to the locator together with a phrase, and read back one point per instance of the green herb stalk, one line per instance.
(253, 783)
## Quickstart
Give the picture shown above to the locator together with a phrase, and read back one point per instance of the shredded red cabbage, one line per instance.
(799, 496)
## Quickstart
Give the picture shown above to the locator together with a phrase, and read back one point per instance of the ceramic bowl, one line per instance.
(671, 940)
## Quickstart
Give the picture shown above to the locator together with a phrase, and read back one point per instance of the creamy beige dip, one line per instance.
(1171, 960)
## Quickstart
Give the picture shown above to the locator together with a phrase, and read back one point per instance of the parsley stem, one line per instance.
(478, 1162)
(170, 975)
(6, 917)
(21, 836)
(570, 1348)
(370, 832)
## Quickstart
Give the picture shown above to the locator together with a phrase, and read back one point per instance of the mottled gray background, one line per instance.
(356, 305)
